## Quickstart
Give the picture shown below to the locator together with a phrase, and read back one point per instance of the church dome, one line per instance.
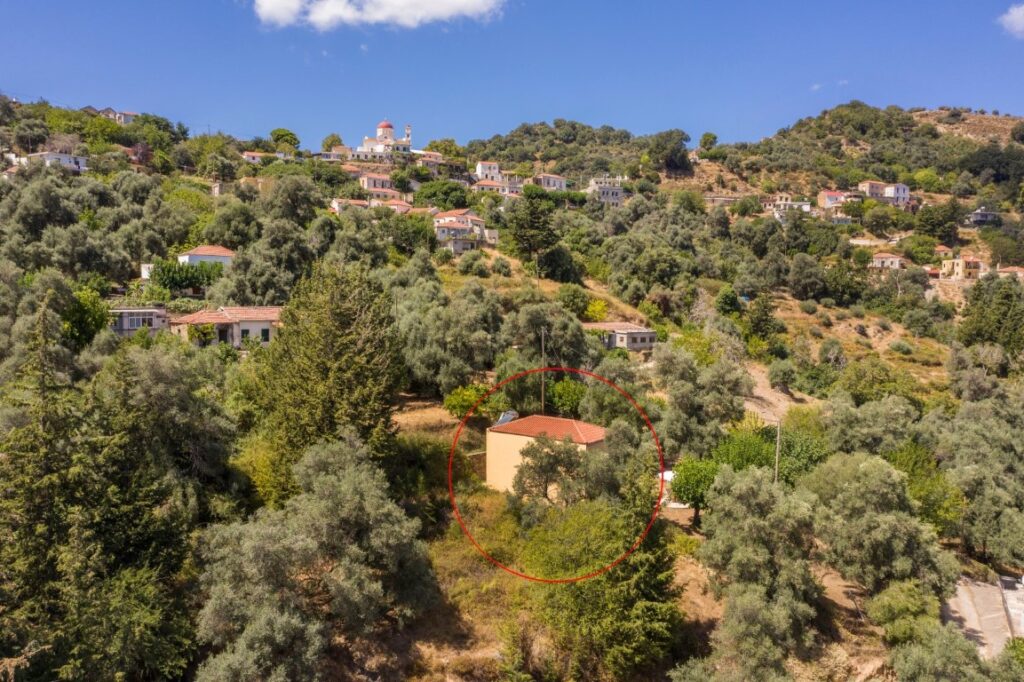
(385, 124)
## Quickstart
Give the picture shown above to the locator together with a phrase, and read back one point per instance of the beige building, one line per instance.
(963, 268)
(505, 442)
(623, 335)
(230, 325)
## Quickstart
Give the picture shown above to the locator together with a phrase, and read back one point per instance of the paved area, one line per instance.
(1013, 594)
(977, 609)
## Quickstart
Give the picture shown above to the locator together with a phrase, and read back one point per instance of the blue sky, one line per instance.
(473, 68)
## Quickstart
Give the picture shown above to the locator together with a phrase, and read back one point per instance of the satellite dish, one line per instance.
(506, 417)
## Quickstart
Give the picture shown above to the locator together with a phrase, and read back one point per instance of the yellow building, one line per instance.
(506, 441)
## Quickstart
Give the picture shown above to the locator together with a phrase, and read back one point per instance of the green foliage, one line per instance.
(945, 655)
(175, 276)
(692, 481)
(566, 396)
(867, 521)
(529, 223)
(444, 194)
(574, 298)
(460, 400)
(872, 379)
(339, 556)
(994, 314)
(906, 612)
(782, 374)
(84, 318)
(501, 266)
(727, 302)
(284, 139)
(761, 317)
(597, 310)
(620, 623)
(334, 366)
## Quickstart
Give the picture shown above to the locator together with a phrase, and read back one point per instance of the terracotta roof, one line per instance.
(1012, 268)
(487, 183)
(399, 202)
(557, 428)
(454, 213)
(233, 314)
(884, 254)
(378, 176)
(550, 175)
(618, 327)
(942, 248)
(385, 124)
(210, 250)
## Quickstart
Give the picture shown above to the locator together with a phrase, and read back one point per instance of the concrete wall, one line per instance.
(503, 458)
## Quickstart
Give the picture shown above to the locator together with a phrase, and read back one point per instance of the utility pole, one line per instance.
(778, 447)
(543, 364)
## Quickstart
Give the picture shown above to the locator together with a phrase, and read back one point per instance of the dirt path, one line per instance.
(766, 402)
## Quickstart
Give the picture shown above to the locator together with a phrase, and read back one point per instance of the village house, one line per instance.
(370, 181)
(127, 320)
(550, 182)
(383, 195)
(1011, 271)
(888, 261)
(338, 204)
(488, 170)
(207, 253)
(830, 199)
(257, 157)
(462, 230)
(623, 335)
(782, 208)
(716, 200)
(398, 206)
(981, 216)
(607, 190)
(964, 268)
(505, 443)
(896, 194)
(261, 183)
(75, 164)
(943, 250)
(230, 325)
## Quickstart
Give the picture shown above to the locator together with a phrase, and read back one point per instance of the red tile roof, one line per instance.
(582, 433)
(458, 212)
(618, 327)
(884, 254)
(228, 315)
(385, 124)
(210, 250)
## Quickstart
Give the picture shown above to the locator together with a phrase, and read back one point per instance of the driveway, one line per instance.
(977, 609)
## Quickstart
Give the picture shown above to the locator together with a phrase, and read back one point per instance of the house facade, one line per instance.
(625, 335)
(963, 267)
(607, 190)
(888, 261)
(125, 321)
(505, 443)
(230, 325)
(982, 216)
(830, 199)
(462, 230)
(370, 181)
(550, 182)
(75, 164)
(896, 194)
(207, 253)
(382, 147)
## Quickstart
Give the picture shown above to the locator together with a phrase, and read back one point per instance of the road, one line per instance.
(977, 609)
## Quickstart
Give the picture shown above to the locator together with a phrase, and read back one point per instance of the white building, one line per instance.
(462, 230)
(125, 321)
(488, 170)
(207, 253)
(888, 261)
(370, 181)
(75, 164)
(623, 335)
(897, 194)
(230, 325)
(384, 145)
(608, 190)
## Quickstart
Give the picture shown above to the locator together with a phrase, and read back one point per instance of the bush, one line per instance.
(828, 302)
(842, 315)
(782, 374)
(443, 256)
(574, 299)
(473, 263)
(816, 332)
(502, 267)
(824, 319)
(857, 310)
(808, 307)
(902, 347)
(885, 325)
(597, 311)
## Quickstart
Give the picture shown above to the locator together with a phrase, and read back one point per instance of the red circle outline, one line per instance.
(661, 477)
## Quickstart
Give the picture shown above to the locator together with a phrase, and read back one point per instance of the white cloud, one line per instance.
(843, 83)
(328, 14)
(816, 87)
(1013, 21)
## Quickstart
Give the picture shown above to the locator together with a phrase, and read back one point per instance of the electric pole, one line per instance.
(778, 447)
(543, 364)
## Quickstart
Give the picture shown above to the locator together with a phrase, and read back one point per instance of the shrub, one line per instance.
(597, 311)
(502, 267)
(808, 307)
(857, 310)
(443, 256)
(574, 298)
(824, 319)
(828, 302)
(902, 347)
(884, 325)
(816, 332)
(842, 315)
(782, 374)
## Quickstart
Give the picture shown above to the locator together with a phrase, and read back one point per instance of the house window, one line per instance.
(245, 333)
(265, 335)
(140, 321)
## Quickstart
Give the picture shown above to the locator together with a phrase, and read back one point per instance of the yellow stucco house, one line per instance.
(506, 441)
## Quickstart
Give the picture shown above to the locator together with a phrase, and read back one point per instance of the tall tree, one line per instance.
(529, 223)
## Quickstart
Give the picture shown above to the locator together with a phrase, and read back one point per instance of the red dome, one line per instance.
(385, 124)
